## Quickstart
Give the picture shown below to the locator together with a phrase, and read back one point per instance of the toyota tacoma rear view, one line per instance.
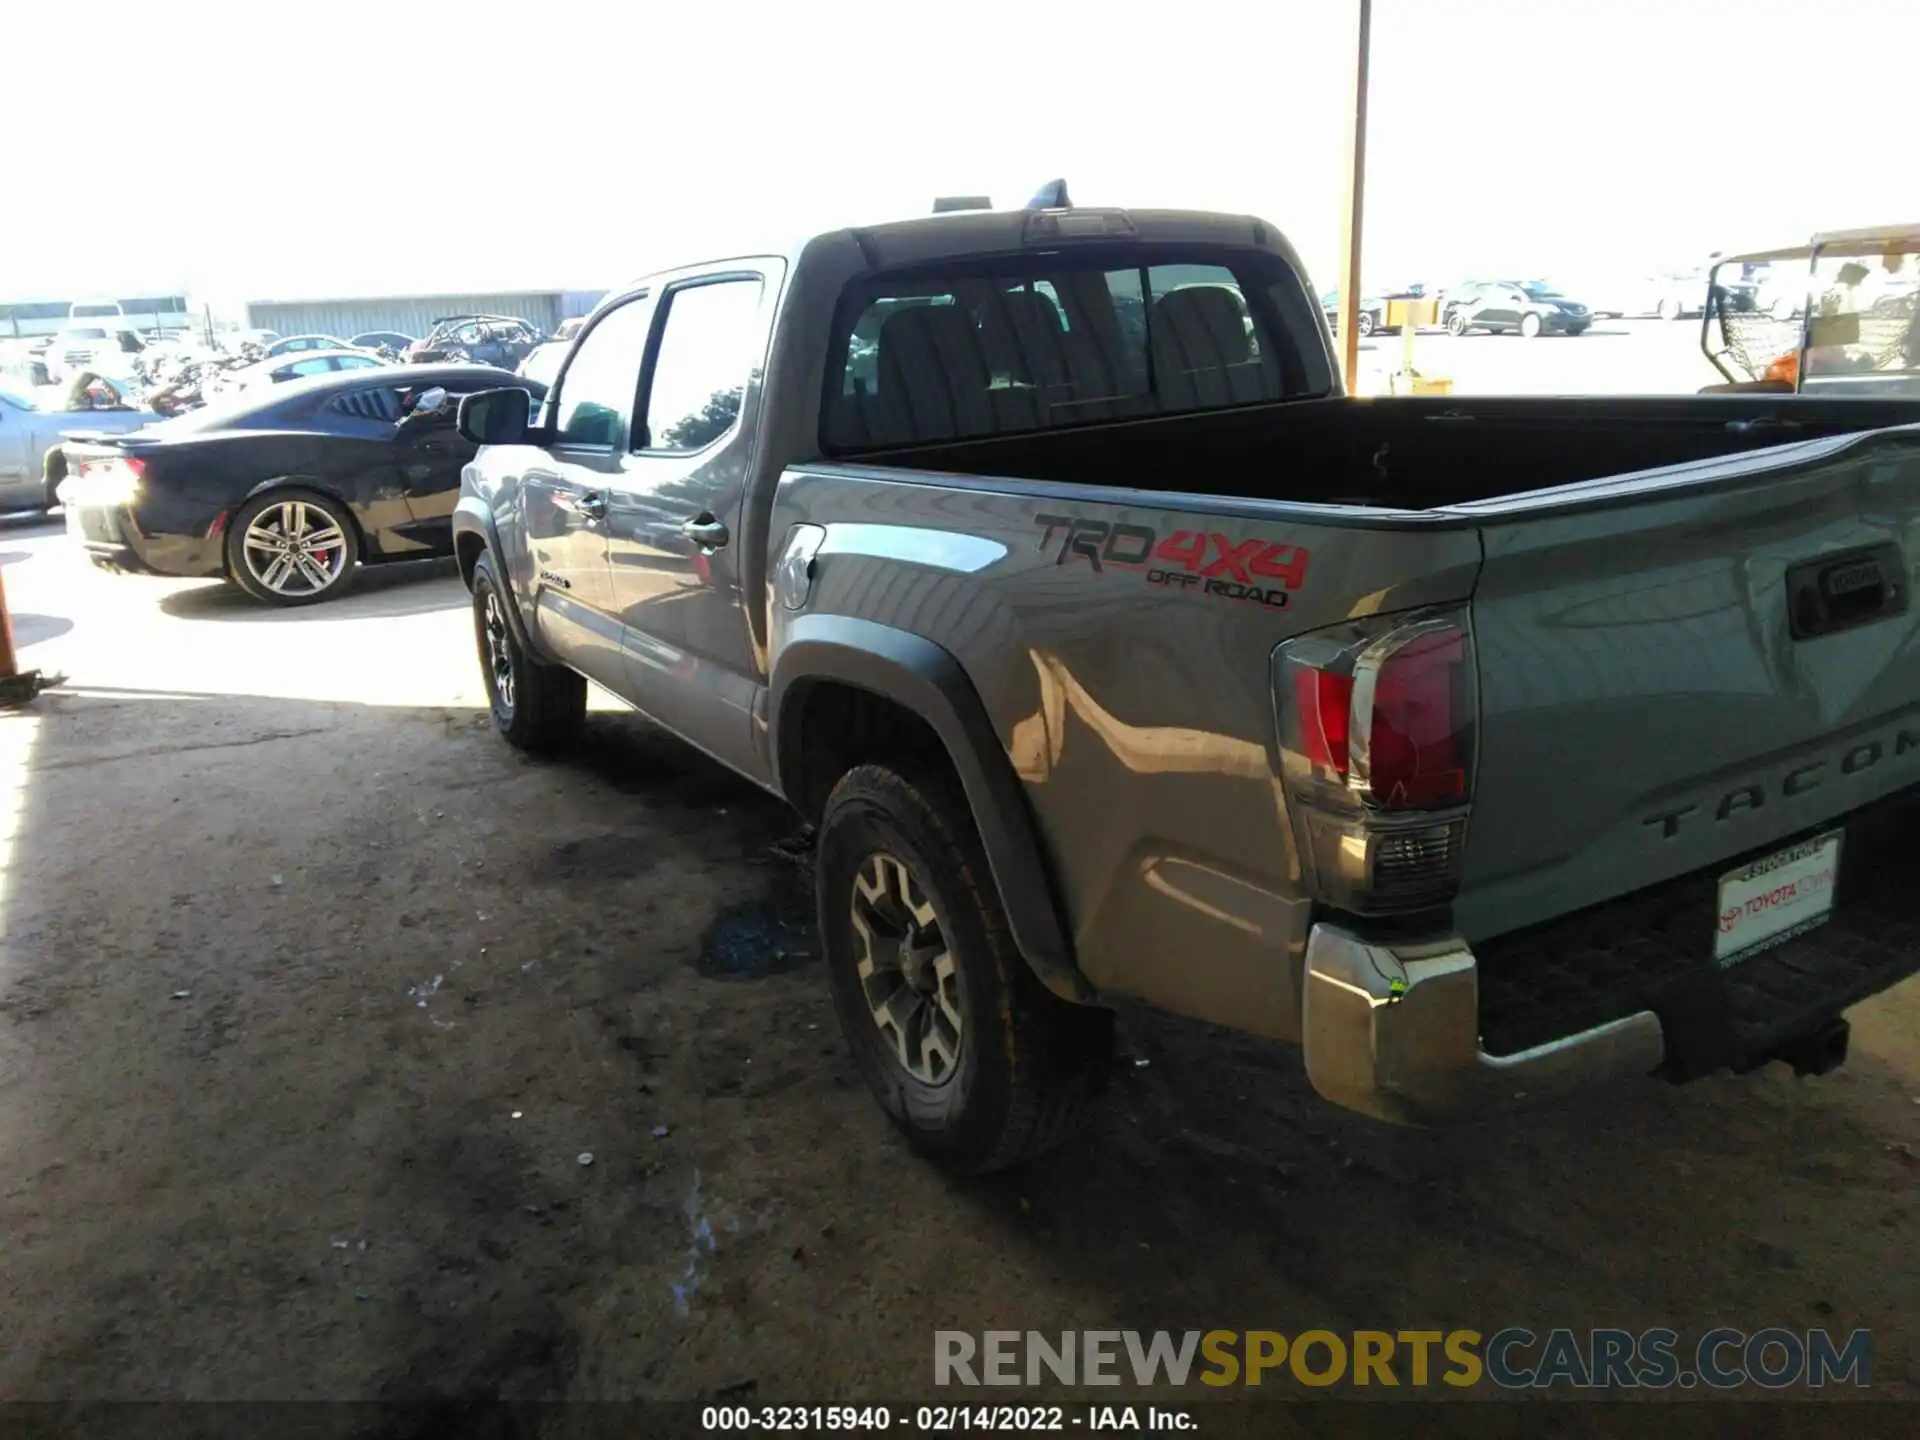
(1484, 748)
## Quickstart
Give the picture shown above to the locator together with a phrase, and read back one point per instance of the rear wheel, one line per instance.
(1530, 325)
(969, 1054)
(540, 708)
(292, 547)
(1365, 323)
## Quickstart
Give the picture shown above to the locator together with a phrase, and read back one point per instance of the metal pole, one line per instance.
(1350, 296)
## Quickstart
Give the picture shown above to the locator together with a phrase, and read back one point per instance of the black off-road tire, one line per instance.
(544, 707)
(1030, 1064)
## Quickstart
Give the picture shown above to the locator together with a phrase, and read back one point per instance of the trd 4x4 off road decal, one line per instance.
(1262, 572)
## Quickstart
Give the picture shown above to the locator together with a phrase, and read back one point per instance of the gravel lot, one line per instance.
(314, 997)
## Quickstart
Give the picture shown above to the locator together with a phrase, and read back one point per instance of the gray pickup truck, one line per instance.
(1483, 748)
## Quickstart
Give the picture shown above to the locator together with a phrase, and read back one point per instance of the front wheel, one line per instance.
(540, 708)
(292, 547)
(1456, 323)
(1365, 323)
(977, 1063)
(1530, 326)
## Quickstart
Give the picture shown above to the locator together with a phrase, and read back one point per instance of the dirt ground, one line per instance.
(315, 998)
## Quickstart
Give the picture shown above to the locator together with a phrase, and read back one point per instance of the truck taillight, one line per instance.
(1377, 725)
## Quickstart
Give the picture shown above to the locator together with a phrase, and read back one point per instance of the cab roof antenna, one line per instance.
(1051, 196)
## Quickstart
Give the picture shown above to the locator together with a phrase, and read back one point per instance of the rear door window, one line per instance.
(1055, 340)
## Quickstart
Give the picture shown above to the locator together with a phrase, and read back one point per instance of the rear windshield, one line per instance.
(1046, 340)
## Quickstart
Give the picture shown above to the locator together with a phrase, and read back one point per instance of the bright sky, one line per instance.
(338, 147)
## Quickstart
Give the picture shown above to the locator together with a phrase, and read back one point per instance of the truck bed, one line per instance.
(1411, 454)
(1657, 704)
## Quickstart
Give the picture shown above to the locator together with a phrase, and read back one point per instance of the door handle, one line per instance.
(708, 533)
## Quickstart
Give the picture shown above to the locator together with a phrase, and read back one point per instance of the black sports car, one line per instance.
(282, 492)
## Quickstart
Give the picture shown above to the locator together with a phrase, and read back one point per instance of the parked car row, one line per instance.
(1523, 307)
(1538, 307)
(168, 373)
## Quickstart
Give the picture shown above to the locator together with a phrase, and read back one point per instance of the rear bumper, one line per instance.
(113, 535)
(1394, 1032)
(1424, 1034)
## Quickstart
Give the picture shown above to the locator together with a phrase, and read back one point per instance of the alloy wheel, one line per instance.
(906, 969)
(294, 548)
(499, 652)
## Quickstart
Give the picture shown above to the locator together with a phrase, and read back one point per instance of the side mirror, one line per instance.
(496, 417)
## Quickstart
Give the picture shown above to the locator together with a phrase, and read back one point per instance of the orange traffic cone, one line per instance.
(15, 688)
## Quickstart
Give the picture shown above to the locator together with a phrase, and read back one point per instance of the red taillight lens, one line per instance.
(1325, 700)
(1377, 720)
(1415, 757)
(125, 467)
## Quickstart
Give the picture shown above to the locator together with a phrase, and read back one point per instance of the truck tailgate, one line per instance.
(1681, 669)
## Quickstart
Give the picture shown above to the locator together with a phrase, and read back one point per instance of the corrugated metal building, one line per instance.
(413, 314)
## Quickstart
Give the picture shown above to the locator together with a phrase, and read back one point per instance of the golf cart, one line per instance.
(1836, 317)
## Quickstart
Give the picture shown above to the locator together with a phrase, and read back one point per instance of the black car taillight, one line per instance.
(1377, 723)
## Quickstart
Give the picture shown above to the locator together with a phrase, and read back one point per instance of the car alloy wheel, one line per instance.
(906, 969)
(295, 549)
(499, 652)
